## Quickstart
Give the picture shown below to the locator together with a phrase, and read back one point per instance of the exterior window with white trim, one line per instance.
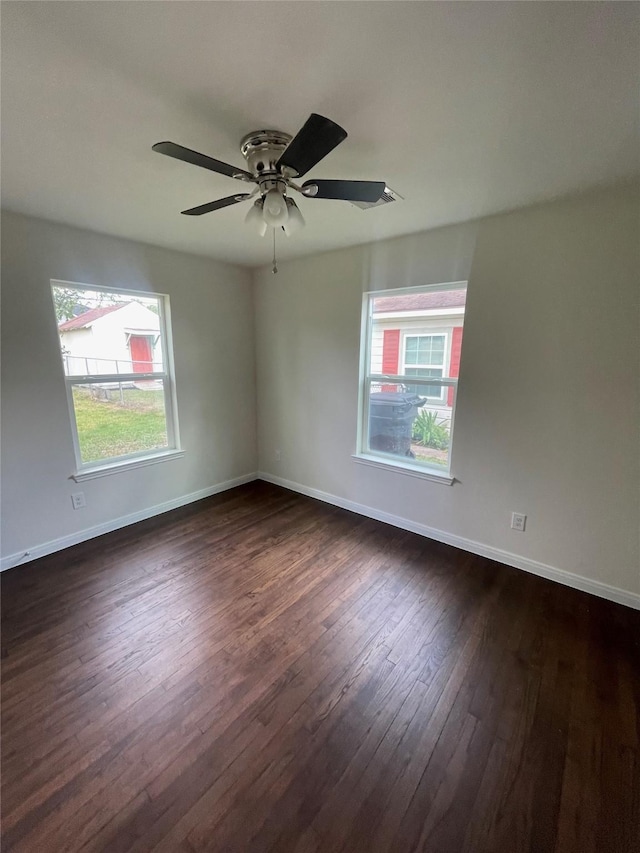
(117, 358)
(411, 348)
(424, 356)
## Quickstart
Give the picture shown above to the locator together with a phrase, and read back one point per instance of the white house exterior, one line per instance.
(122, 338)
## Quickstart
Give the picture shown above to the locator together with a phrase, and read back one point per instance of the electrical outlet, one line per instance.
(278, 456)
(78, 500)
(518, 521)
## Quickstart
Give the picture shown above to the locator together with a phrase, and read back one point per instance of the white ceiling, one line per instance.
(464, 108)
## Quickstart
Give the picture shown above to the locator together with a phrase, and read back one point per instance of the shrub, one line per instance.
(429, 433)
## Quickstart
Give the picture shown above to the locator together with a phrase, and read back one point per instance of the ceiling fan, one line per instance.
(274, 159)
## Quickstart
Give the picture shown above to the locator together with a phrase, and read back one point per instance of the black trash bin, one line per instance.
(391, 417)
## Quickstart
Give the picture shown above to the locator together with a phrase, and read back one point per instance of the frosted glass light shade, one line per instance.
(275, 210)
(295, 221)
(255, 218)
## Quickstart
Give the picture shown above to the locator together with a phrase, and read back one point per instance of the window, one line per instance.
(411, 347)
(117, 355)
(424, 356)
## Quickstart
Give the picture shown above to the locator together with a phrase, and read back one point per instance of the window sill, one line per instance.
(128, 465)
(400, 468)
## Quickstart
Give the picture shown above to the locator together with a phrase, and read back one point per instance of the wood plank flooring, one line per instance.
(262, 672)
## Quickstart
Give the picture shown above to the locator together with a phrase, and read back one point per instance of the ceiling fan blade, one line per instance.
(315, 139)
(216, 205)
(179, 152)
(370, 191)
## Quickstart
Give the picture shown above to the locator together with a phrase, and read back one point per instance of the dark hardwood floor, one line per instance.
(262, 672)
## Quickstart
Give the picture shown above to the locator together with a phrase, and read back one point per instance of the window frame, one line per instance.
(406, 334)
(378, 458)
(101, 467)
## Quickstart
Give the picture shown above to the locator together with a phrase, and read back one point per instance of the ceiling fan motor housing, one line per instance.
(262, 150)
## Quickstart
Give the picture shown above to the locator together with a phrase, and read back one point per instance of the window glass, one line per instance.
(117, 419)
(424, 349)
(114, 347)
(435, 392)
(412, 336)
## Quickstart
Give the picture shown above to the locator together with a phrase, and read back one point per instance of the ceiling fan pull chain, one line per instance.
(275, 265)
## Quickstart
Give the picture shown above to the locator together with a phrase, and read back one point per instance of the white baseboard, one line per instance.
(50, 547)
(603, 590)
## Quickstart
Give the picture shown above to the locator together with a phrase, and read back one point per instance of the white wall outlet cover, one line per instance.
(78, 500)
(518, 521)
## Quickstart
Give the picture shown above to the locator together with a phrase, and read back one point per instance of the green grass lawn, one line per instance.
(108, 428)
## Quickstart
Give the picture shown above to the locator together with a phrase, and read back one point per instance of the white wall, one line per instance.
(550, 351)
(212, 318)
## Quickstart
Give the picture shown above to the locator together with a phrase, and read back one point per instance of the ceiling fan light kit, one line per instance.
(275, 210)
(295, 220)
(274, 159)
(255, 218)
